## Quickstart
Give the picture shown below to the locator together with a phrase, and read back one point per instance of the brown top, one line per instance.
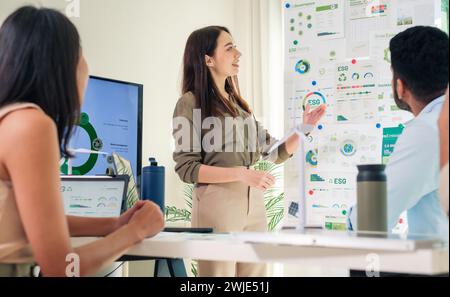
(242, 146)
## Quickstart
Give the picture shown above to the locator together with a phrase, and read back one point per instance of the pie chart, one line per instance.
(302, 67)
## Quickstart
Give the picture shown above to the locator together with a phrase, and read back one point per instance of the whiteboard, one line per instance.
(337, 53)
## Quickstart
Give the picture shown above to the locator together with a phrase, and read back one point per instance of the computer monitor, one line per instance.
(111, 122)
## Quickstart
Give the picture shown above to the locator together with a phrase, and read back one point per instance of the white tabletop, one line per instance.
(420, 255)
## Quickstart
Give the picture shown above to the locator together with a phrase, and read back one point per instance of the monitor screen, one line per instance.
(93, 197)
(110, 122)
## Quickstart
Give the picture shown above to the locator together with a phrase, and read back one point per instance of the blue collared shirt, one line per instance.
(413, 176)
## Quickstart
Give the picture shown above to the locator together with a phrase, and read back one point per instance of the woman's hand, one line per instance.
(257, 179)
(125, 217)
(147, 220)
(313, 117)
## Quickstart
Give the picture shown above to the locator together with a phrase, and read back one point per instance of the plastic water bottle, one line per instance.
(153, 183)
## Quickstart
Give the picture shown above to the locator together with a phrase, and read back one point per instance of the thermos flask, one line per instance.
(153, 183)
(372, 198)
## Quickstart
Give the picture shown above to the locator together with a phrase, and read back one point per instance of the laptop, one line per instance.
(95, 197)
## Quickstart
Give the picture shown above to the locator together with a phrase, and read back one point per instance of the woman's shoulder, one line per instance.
(26, 122)
(185, 105)
(24, 130)
(188, 99)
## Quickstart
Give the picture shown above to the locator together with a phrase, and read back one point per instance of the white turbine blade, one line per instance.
(86, 151)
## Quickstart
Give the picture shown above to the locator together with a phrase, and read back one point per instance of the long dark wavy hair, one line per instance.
(197, 77)
(39, 55)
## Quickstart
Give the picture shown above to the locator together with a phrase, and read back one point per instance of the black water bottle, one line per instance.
(153, 183)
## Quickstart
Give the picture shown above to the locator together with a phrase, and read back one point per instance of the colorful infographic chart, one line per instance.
(337, 54)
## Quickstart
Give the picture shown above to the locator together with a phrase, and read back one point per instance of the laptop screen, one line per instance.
(93, 197)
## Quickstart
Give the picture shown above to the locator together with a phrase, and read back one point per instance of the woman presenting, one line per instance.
(217, 139)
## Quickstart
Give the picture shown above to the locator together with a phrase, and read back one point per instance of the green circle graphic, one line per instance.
(96, 145)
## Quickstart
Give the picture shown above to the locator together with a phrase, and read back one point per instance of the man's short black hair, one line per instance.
(419, 58)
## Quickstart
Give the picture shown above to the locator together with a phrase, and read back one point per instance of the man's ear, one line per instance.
(209, 61)
(401, 89)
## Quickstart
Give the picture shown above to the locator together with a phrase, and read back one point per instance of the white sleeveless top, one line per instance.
(14, 247)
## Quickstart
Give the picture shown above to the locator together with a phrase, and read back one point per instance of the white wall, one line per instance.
(143, 41)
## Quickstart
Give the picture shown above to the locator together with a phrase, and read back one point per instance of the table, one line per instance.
(422, 255)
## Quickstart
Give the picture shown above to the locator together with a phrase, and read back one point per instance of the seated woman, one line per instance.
(43, 76)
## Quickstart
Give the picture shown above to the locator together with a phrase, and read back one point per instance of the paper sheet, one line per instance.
(330, 19)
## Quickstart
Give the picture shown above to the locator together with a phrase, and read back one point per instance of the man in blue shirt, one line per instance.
(419, 58)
